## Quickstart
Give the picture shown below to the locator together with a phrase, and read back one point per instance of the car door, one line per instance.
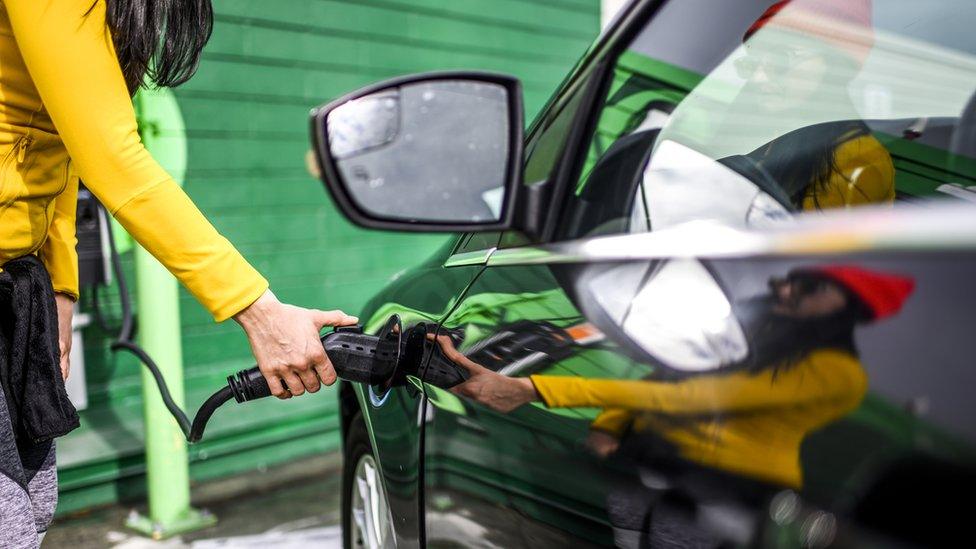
(711, 394)
(502, 479)
(877, 458)
(420, 297)
(481, 475)
(552, 135)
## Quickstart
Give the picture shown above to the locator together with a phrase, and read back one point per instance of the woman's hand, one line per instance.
(601, 443)
(286, 343)
(498, 392)
(66, 308)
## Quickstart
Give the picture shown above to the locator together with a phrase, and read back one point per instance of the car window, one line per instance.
(753, 112)
(543, 148)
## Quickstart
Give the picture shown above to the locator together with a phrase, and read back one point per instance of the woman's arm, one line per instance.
(68, 50)
(60, 257)
(824, 374)
(59, 253)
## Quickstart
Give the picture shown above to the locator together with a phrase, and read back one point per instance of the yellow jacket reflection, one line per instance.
(748, 423)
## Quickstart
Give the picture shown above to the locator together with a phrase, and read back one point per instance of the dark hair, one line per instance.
(161, 39)
(778, 342)
(803, 161)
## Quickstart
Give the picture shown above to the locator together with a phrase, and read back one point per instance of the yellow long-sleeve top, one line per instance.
(63, 96)
(746, 423)
(864, 174)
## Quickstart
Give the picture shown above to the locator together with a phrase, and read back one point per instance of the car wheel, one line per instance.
(366, 519)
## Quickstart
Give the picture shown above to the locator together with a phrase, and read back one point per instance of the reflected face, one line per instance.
(805, 297)
(781, 77)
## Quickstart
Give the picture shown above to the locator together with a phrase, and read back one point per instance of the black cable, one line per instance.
(207, 410)
(124, 340)
(128, 323)
(246, 385)
(178, 414)
(97, 310)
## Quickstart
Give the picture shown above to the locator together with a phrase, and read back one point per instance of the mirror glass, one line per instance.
(434, 151)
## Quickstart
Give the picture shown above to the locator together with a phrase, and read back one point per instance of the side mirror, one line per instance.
(438, 152)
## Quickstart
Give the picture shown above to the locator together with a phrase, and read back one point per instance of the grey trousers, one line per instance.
(28, 488)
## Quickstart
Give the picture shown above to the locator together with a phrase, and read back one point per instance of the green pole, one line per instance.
(157, 304)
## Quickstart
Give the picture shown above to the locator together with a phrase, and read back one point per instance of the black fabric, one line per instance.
(30, 370)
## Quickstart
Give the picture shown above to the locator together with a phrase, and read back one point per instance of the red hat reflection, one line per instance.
(882, 294)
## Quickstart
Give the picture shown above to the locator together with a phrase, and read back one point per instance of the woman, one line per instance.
(67, 72)
(802, 373)
(800, 59)
(737, 431)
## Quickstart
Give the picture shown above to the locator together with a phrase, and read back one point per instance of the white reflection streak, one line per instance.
(682, 316)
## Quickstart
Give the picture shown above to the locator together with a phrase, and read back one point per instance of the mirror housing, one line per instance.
(381, 131)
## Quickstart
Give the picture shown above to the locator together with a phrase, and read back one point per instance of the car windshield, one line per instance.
(753, 111)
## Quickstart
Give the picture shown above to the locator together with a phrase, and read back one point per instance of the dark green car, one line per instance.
(720, 292)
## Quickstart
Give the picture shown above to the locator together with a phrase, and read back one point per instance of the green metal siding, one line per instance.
(245, 112)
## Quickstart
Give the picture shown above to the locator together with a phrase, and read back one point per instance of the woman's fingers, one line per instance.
(322, 366)
(457, 357)
(65, 366)
(326, 373)
(286, 343)
(65, 307)
(332, 318)
(294, 384)
(65, 349)
(310, 380)
(277, 388)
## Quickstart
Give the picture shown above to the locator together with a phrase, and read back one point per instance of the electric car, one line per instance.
(719, 293)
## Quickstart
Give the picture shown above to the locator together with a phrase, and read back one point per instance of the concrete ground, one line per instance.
(295, 505)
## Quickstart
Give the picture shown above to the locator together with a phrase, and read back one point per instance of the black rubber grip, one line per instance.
(441, 372)
(359, 357)
(248, 385)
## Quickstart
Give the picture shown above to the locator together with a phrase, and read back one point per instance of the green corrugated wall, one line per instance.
(245, 113)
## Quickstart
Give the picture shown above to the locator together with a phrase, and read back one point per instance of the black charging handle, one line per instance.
(356, 356)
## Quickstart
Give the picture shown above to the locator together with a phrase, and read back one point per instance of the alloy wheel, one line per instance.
(371, 522)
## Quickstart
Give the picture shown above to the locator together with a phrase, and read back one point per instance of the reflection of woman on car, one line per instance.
(829, 165)
(800, 58)
(803, 373)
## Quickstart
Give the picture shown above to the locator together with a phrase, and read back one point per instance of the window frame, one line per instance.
(602, 59)
(596, 66)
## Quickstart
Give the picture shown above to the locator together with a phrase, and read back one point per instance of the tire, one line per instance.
(359, 457)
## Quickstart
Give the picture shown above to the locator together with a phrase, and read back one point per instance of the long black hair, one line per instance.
(803, 161)
(779, 342)
(158, 42)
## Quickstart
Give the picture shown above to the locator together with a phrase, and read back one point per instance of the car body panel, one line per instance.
(876, 471)
(533, 467)
(393, 417)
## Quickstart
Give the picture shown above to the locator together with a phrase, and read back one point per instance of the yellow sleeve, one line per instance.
(58, 253)
(823, 375)
(68, 50)
(613, 421)
(866, 176)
